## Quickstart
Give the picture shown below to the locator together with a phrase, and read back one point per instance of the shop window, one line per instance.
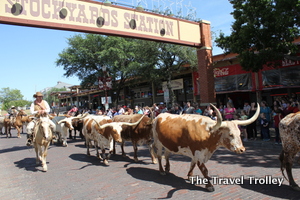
(233, 82)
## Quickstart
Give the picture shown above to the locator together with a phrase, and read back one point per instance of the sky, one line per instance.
(28, 55)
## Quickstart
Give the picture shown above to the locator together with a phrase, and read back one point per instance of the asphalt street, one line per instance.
(74, 175)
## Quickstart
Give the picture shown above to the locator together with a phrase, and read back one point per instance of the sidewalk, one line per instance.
(265, 144)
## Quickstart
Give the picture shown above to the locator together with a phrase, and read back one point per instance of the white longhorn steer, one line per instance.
(103, 131)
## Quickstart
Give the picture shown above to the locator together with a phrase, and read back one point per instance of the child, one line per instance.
(264, 127)
(244, 128)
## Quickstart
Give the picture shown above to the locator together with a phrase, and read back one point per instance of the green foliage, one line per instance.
(263, 32)
(83, 57)
(11, 97)
(53, 99)
(127, 60)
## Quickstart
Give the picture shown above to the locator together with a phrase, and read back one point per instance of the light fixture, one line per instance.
(107, 3)
(16, 9)
(139, 8)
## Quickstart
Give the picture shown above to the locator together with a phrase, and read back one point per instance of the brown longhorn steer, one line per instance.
(102, 131)
(138, 135)
(197, 137)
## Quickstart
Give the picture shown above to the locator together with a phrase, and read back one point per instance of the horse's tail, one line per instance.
(282, 158)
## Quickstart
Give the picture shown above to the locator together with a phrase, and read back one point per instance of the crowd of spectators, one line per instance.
(270, 116)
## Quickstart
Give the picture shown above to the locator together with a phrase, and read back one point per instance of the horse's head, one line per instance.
(44, 124)
(21, 113)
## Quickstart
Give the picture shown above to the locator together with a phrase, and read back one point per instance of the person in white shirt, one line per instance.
(121, 110)
(38, 108)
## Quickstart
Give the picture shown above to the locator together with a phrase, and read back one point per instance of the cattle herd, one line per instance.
(195, 136)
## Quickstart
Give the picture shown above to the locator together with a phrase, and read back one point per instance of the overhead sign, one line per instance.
(95, 17)
(176, 84)
(105, 83)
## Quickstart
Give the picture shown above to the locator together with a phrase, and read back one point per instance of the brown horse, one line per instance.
(15, 122)
(43, 138)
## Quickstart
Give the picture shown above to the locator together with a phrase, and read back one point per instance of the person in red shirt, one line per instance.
(73, 110)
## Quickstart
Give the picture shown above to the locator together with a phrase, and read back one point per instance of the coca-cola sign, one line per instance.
(221, 72)
(229, 70)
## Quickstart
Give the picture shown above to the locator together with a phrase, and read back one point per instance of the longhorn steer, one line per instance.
(138, 135)
(78, 125)
(289, 128)
(1, 124)
(103, 131)
(197, 137)
(62, 126)
(16, 123)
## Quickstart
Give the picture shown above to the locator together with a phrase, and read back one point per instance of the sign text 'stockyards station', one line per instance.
(99, 18)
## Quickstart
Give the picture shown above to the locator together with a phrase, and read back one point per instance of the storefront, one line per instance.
(268, 83)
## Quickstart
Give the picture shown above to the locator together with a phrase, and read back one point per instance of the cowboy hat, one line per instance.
(12, 107)
(38, 94)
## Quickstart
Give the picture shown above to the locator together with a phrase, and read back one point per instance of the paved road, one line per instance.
(73, 175)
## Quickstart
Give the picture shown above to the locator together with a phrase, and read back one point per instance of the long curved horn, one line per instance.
(219, 119)
(122, 123)
(248, 121)
(80, 117)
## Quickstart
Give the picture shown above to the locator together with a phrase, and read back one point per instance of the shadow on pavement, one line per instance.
(91, 160)
(282, 192)
(14, 148)
(170, 179)
(267, 158)
(29, 164)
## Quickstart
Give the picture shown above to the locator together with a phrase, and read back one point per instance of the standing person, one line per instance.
(39, 108)
(198, 110)
(277, 118)
(156, 110)
(264, 127)
(229, 112)
(138, 110)
(244, 128)
(184, 107)
(121, 110)
(176, 110)
(111, 112)
(251, 128)
(190, 109)
(264, 108)
(208, 111)
(73, 111)
(230, 101)
(163, 108)
(247, 107)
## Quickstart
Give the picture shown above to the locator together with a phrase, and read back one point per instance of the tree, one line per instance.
(83, 58)
(11, 97)
(263, 32)
(53, 99)
(87, 54)
(126, 60)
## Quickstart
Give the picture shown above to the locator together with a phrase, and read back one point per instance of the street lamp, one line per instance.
(105, 86)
